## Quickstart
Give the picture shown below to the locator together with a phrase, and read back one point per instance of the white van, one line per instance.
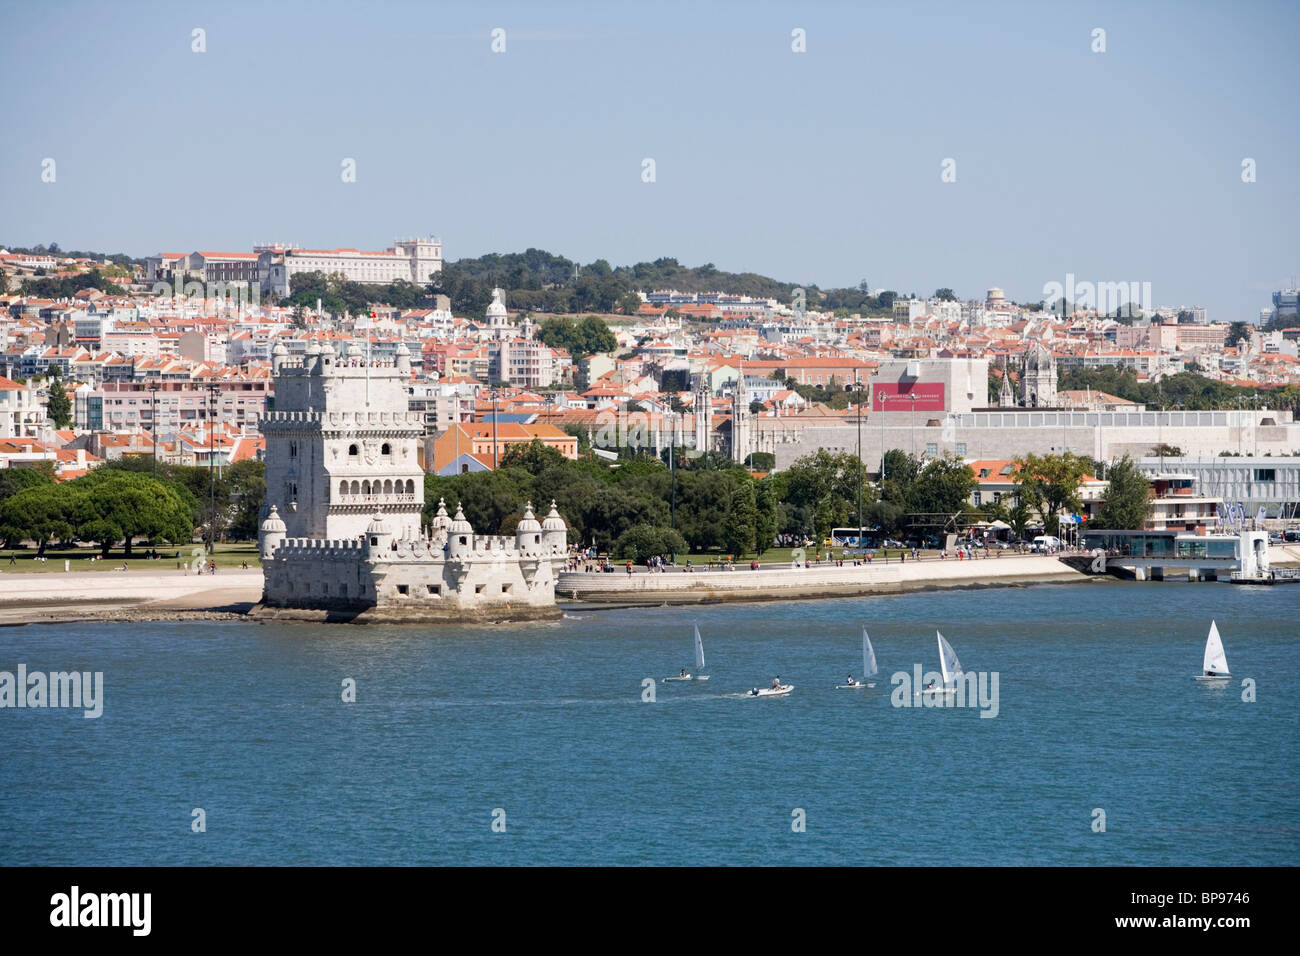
(1045, 542)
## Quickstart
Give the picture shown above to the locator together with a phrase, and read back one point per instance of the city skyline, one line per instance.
(765, 159)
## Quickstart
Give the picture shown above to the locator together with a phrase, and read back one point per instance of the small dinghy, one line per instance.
(1215, 666)
(868, 667)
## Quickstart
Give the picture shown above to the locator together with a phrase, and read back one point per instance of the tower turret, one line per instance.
(528, 533)
(555, 533)
(271, 533)
(460, 536)
(379, 538)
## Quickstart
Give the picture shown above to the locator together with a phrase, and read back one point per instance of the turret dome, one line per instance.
(553, 520)
(272, 524)
(528, 523)
(459, 524)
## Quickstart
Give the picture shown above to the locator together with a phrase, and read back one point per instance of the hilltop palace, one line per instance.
(342, 539)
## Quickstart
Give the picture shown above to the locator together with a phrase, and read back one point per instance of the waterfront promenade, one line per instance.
(123, 595)
(676, 585)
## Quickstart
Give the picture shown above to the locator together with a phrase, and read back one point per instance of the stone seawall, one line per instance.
(786, 583)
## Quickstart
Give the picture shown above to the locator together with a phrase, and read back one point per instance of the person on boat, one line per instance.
(930, 686)
(776, 683)
(683, 673)
(851, 682)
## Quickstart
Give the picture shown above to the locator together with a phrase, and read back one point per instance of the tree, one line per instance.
(1237, 333)
(647, 541)
(533, 456)
(766, 515)
(629, 304)
(41, 513)
(1052, 482)
(942, 486)
(112, 505)
(1127, 498)
(247, 483)
(945, 295)
(57, 405)
(738, 531)
(14, 480)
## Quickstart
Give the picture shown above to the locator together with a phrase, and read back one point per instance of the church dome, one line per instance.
(402, 349)
(553, 520)
(528, 523)
(496, 312)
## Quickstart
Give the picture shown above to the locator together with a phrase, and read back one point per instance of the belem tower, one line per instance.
(342, 536)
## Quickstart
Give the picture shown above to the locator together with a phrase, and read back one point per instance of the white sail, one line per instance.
(1216, 661)
(868, 657)
(948, 662)
(699, 650)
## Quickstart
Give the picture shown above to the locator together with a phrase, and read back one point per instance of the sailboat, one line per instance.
(868, 666)
(949, 666)
(699, 662)
(1215, 667)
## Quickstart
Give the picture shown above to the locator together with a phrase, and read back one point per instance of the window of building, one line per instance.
(434, 589)
(961, 449)
(1266, 474)
(293, 449)
(931, 449)
(403, 589)
(353, 451)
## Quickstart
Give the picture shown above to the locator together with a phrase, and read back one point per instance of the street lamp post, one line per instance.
(857, 387)
(912, 396)
(212, 475)
(153, 424)
(494, 429)
(672, 468)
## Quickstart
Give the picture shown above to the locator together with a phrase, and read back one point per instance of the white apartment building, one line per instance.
(415, 260)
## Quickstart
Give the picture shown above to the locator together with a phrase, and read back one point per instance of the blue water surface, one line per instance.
(543, 727)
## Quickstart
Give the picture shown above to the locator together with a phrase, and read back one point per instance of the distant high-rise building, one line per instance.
(1286, 302)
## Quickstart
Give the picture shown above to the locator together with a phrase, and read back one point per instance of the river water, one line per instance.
(542, 730)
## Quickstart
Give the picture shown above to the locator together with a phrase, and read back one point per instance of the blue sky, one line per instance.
(818, 167)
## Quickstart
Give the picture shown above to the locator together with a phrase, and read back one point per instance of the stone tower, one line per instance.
(741, 419)
(1038, 378)
(341, 444)
(1006, 398)
(703, 410)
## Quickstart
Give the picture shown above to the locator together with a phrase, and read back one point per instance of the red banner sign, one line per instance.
(906, 396)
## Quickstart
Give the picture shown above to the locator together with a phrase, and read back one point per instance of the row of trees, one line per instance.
(712, 504)
(1185, 390)
(122, 500)
(106, 506)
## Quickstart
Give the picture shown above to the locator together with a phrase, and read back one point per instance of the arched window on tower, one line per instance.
(353, 451)
(386, 449)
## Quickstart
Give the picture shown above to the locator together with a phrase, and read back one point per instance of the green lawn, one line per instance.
(79, 559)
